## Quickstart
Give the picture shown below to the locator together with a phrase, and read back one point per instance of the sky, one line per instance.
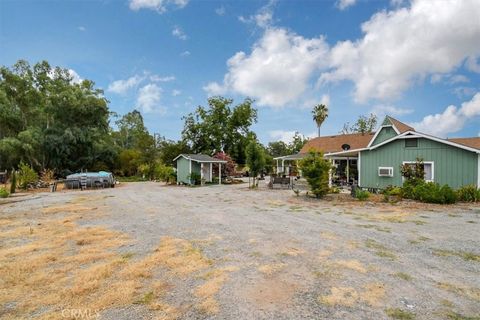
(417, 61)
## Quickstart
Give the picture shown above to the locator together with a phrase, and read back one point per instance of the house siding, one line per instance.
(384, 134)
(183, 170)
(453, 166)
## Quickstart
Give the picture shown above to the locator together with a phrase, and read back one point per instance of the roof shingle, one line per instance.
(473, 142)
(330, 144)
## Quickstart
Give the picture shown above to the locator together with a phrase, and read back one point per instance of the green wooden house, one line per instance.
(199, 164)
(374, 160)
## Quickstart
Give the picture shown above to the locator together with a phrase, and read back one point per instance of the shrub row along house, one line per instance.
(373, 160)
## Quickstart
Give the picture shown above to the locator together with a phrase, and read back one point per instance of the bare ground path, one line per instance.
(146, 251)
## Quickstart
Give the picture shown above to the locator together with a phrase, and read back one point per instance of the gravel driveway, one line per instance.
(267, 254)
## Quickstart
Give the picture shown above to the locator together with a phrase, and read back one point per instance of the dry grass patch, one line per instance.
(469, 292)
(328, 235)
(270, 269)
(352, 264)
(372, 294)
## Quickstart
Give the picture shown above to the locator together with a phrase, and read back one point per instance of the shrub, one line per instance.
(13, 182)
(392, 194)
(315, 169)
(361, 195)
(468, 194)
(195, 178)
(165, 173)
(431, 192)
(3, 193)
(26, 176)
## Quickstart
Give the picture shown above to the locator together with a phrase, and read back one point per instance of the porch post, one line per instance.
(211, 172)
(348, 171)
(201, 173)
(330, 174)
(283, 166)
(219, 173)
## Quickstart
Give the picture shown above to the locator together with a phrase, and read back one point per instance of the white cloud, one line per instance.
(220, 11)
(382, 110)
(122, 86)
(344, 4)
(75, 77)
(263, 18)
(278, 69)
(176, 92)
(149, 98)
(158, 5)
(185, 53)
(403, 46)
(451, 120)
(459, 78)
(282, 135)
(81, 28)
(178, 33)
(157, 78)
(473, 64)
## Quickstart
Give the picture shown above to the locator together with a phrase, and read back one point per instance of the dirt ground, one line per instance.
(149, 251)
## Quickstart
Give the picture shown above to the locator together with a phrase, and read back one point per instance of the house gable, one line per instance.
(386, 132)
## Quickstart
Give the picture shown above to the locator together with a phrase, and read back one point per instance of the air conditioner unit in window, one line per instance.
(385, 172)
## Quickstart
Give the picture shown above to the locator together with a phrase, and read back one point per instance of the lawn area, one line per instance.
(149, 251)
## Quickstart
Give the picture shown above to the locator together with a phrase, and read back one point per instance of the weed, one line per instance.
(403, 276)
(146, 299)
(399, 314)
(467, 256)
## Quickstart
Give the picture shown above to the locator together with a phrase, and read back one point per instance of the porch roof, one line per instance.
(200, 158)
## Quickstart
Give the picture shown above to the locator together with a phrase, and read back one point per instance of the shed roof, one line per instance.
(199, 158)
(330, 144)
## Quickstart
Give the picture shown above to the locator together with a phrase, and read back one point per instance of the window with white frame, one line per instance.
(428, 168)
(385, 171)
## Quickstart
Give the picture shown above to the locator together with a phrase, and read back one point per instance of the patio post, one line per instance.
(211, 172)
(219, 173)
(201, 173)
(348, 171)
(283, 166)
(330, 174)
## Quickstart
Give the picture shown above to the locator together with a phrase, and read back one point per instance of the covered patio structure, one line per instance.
(190, 166)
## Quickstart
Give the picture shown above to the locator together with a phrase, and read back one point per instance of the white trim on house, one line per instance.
(416, 134)
(478, 172)
(359, 167)
(425, 162)
(378, 132)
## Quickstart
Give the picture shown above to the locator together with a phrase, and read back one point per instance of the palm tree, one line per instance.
(320, 113)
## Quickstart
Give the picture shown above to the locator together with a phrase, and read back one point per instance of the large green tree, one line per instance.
(255, 159)
(47, 120)
(220, 127)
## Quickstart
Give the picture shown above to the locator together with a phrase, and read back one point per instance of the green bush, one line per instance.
(26, 176)
(3, 193)
(361, 195)
(468, 194)
(431, 192)
(195, 178)
(315, 169)
(165, 173)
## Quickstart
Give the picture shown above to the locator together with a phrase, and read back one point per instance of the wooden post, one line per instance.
(330, 173)
(201, 173)
(211, 172)
(348, 171)
(219, 173)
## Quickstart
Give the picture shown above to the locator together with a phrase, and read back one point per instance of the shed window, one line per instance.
(411, 143)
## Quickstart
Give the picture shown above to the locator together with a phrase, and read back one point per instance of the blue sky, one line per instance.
(417, 61)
